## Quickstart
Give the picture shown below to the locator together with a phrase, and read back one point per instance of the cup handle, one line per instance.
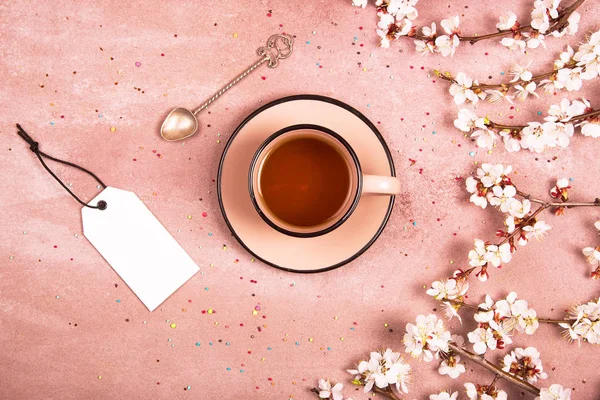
(383, 185)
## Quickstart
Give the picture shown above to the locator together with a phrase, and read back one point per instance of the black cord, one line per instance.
(34, 146)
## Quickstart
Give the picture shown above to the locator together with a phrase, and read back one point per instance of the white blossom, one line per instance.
(501, 196)
(477, 255)
(591, 128)
(443, 395)
(565, 110)
(491, 394)
(519, 209)
(328, 392)
(513, 44)
(482, 339)
(426, 338)
(461, 88)
(447, 289)
(585, 323)
(564, 58)
(360, 3)
(524, 91)
(569, 78)
(537, 231)
(467, 120)
(496, 255)
(554, 392)
(507, 21)
(521, 73)
(525, 363)
(452, 367)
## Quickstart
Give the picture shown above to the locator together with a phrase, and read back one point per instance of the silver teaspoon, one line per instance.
(182, 123)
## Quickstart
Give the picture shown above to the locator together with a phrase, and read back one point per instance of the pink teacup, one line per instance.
(359, 183)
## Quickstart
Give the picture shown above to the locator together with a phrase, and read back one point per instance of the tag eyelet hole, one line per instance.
(102, 205)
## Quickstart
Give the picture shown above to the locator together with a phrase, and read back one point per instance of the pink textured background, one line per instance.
(60, 64)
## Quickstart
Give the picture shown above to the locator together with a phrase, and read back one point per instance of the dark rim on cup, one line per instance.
(331, 133)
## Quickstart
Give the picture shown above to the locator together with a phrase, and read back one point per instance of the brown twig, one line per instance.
(480, 360)
(555, 321)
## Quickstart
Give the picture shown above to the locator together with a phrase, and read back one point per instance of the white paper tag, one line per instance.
(137, 246)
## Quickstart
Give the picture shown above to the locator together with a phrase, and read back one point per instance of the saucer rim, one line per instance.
(335, 102)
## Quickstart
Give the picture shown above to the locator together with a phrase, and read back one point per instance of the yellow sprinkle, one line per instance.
(451, 261)
(165, 95)
(99, 376)
(51, 104)
(218, 141)
(235, 35)
(183, 309)
(113, 129)
(310, 339)
(210, 310)
(489, 152)
(173, 325)
(254, 312)
(336, 318)
(424, 286)
(342, 339)
(263, 359)
(216, 323)
(364, 68)
(386, 325)
(189, 217)
(284, 339)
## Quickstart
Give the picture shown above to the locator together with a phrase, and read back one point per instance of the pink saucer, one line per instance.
(279, 250)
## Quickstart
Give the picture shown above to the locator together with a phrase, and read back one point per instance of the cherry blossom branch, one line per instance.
(474, 307)
(396, 21)
(447, 76)
(481, 361)
(494, 125)
(556, 24)
(556, 130)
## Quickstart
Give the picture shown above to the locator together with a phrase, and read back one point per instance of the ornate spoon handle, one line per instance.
(278, 47)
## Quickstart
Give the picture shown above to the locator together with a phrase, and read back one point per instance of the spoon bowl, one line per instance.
(181, 123)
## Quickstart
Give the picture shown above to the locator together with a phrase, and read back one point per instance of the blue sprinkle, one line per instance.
(355, 38)
(329, 348)
(52, 123)
(351, 329)
(472, 154)
(210, 343)
(539, 113)
(241, 370)
(205, 288)
(118, 301)
(197, 343)
(99, 115)
(502, 73)
(368, 105)
(209, 233)
(433, 133)
(297, 343)
(228, 369)
(571, 179)
(318, 64)
(268, 348)
(415, 223)
(308, 42)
